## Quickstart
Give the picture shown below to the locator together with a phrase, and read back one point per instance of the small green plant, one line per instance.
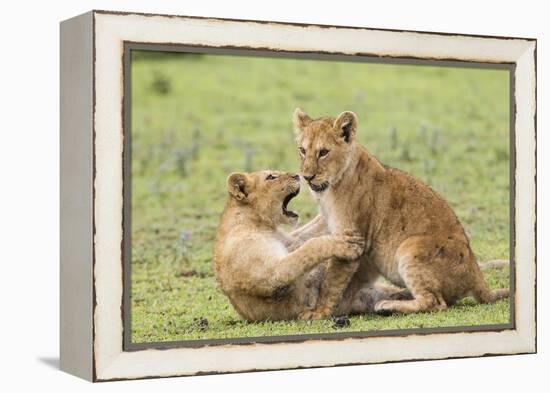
(195, 141)
(394, 138)
(161, 83)
(502, 155)
(406, 154)
(182, 157)
(434, 141)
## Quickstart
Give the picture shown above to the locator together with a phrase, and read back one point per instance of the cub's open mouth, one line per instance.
(318, 187)
(288, 198)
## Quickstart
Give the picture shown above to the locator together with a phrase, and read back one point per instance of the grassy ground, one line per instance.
(196, 118)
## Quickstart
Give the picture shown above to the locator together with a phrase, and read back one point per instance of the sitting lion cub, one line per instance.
(266, 273)
(413, 238)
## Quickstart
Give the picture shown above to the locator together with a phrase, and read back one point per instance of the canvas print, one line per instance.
(284, 196)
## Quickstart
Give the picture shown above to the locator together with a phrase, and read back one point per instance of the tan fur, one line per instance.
(268, 274)
(412, 236)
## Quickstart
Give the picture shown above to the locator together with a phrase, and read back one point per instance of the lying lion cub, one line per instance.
(412, 236)
(266, 273)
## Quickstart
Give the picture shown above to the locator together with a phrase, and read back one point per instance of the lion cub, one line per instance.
(413, 238)
(266, 273)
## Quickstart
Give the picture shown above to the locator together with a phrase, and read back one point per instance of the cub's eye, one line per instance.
(270, 177)
(323, 152)
(302, 151)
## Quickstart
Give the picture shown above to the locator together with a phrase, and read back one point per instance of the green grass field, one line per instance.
(196, 118)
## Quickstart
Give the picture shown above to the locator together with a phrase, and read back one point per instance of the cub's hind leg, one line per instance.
(430, 270)
(438, 271)
(423, 301)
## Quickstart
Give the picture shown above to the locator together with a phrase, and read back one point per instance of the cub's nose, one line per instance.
(296, 177)
(309, 178)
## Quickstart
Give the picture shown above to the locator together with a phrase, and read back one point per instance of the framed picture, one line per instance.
(246, 195)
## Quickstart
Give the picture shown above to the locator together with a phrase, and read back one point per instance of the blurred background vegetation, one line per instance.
(196, 118)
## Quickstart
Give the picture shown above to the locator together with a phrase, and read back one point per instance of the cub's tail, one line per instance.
(494, 264)
(482, 293)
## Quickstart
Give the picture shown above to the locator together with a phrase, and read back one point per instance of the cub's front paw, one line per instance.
(351, 246)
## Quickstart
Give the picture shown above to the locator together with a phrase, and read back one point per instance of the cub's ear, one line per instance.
(346, 125)
(300, 120)
(237, 185)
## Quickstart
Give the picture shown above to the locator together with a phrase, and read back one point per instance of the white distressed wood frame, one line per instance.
(92, 89)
